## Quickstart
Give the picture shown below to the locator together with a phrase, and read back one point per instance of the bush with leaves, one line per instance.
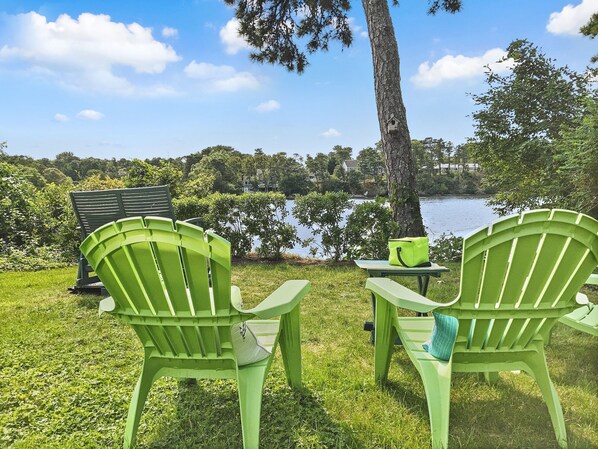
(100, 182)
(266, 218)
(31, 257)
(60, 223)
(447, 248)
(192, 207)
(221, 212)
(142, 174)
(324, 215)
(227, 219)
(369, 227)
(21, 216)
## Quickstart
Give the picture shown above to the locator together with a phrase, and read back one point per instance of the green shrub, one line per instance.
(221, 212)
(265, 218)
(21, 216)
(368, 229)
(60, 223)
(324, 215)
(228, 220)
(192, 207)
(240, 218)
(447, 248)
(31, 257)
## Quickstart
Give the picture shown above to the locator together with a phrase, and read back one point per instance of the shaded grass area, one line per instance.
(66, 378)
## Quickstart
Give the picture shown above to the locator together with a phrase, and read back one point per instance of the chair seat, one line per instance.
(266, 332)
(584, 319)
(414, 332)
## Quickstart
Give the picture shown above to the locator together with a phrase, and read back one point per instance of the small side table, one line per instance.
(381, 268)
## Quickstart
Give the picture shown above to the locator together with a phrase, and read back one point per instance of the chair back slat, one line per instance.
(520, 275)
(521, 263)
(220, 263)
(161, 273)
(196, 260)
(167, 255)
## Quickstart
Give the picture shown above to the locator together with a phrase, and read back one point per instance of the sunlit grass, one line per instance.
(66, 377)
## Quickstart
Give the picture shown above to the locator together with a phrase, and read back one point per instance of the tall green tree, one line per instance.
(577, 163)
(371, 163)
(520, 117)
(224, 166)
(318, 167)
(69, 164)
(276, 29)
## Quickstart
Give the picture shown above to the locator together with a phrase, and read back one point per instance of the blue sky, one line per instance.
(146, 79)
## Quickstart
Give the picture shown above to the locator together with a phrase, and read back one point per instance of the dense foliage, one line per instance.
(36, 210)
(324, 215)
(536, 134)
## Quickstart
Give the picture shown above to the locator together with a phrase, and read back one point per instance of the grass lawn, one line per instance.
(66, 378)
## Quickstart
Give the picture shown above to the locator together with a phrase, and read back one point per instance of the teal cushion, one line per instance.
(443, 336)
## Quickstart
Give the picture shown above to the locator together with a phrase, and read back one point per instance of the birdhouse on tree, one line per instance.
(392, 125)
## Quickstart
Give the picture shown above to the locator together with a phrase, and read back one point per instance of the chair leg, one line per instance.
(251, 384)
(290, 346)
(491, 378)
(539, 371)
(146, 379)
(437, 384)
(385, 336)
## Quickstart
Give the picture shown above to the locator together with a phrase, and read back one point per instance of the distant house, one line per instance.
(350, 165)
(247, 187)
(453, 168)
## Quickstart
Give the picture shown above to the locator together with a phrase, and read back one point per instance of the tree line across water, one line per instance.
(224, 169)
(37, 221)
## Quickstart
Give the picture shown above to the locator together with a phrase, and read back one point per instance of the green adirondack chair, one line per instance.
(518, 277)
(192, 324)
(584, 319)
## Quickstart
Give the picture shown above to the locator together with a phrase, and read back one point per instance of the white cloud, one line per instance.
(205, 70)
(331, 132)
(170, 32)
(90, 114)
(239, 81)
(83, 52)
(459, 67)
(357, 29)
(219, 78)
(229, 35)
(60, 117)
(267, 106)
(571, 18)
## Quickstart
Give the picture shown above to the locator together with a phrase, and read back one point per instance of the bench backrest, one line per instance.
(95, 208)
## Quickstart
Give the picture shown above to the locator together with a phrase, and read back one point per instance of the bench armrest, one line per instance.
(400, 296)
(283, 300)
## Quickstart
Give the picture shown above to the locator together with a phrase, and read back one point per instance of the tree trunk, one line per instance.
(400, 166)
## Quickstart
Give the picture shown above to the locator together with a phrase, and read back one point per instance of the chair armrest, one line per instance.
(283, 300)
(197, 221)
(400, 296)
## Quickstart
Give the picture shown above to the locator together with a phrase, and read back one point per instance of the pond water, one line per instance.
(457, 214)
